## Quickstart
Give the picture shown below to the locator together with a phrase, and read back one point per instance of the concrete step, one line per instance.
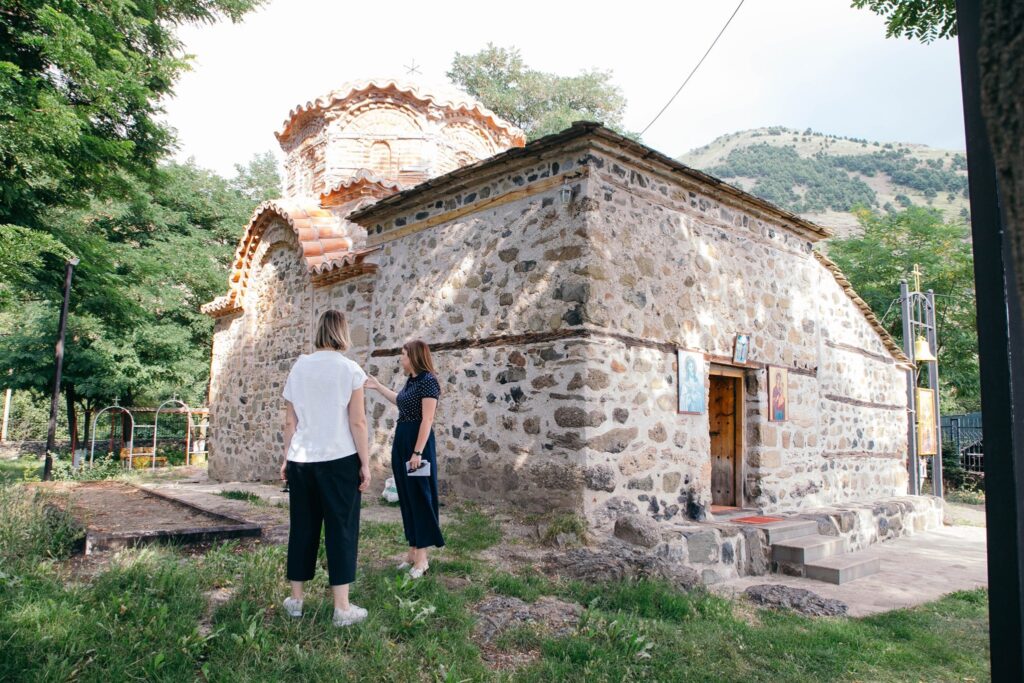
(807, 549)
(783, 531)
(842, 568)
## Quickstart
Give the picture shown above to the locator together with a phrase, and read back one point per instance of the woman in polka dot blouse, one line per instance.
(414, 446)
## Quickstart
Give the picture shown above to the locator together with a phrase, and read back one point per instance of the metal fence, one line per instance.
(963, 433)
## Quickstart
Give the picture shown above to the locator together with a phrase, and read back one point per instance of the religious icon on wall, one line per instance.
(927, 440)
(740, 348)
(691, 382)
(778, 394)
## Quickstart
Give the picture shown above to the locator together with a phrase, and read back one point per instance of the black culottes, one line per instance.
(323, 494)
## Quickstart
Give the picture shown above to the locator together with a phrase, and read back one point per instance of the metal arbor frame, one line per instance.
(188, 429)
(919, 313)
(131, 439)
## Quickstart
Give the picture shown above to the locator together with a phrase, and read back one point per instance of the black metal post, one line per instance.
(1000, 331)
(51, 431)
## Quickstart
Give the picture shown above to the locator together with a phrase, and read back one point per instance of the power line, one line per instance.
(711, 47)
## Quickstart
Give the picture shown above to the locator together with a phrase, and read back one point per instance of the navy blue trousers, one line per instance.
(417, 496)
(323, 494)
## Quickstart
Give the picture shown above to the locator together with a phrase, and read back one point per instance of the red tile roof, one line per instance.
(440, 95)
(324, 238)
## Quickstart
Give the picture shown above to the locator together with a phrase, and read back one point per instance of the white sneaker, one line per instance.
(293, 607)
(416, 573)
(353, 615)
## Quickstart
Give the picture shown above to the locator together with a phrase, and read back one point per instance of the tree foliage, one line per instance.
(540, 103)
(812, 184)
(81, 85)
(149, 260)
(886, 252)
(924, 20)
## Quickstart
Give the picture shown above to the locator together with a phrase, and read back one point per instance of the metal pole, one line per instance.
(7, 408)
(933, 382)
(51, 431)
(1000, 330)
(908, 348)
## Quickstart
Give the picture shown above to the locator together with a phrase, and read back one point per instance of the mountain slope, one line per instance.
(823, 177)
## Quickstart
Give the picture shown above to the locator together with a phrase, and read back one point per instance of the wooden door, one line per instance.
(723, 423)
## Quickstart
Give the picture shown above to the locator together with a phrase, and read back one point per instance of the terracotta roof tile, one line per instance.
(322, 236)
(440, 95)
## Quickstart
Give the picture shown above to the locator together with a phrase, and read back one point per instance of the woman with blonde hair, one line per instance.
(326, 465)
(413, 454)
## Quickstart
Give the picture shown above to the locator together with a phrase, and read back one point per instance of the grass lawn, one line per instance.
(147, 617)
(14, 469)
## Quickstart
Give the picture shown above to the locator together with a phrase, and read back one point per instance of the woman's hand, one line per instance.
(414, 462)
(364, 478)
(372, 383)
(284, 472)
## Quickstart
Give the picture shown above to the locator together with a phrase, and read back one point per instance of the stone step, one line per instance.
(807, 549)
(842, 568)
(783, 531)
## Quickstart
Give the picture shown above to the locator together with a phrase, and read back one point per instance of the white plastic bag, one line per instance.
(390, 493)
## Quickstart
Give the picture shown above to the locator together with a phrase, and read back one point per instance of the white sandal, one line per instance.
(416, 573)
(403, 565)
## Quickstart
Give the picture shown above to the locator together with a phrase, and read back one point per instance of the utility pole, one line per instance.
(51, 432)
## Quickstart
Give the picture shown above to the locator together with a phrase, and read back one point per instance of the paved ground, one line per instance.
(961, 514)
(915, 569)
(192, 485)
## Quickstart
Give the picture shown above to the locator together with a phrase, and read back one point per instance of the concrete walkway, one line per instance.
(915, 569)
(194, 486)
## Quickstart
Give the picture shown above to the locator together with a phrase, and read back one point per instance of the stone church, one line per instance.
(557, 282)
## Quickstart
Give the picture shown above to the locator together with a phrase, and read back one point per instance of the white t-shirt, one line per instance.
(320, 386)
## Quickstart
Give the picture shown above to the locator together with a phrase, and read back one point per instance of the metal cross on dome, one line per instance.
(413, 69)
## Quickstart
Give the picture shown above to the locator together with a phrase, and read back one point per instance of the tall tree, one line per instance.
(80, 91)
(149, 260)
(886, 252)
(259, 178)
(538, 102)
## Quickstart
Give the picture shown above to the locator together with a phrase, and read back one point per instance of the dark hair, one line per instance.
(419, 356)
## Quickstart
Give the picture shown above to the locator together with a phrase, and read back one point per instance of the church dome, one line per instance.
(399, 131)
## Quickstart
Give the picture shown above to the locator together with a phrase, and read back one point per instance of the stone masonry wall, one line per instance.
(554, 293)
(492, 292)
(678, 268)
(252, 354)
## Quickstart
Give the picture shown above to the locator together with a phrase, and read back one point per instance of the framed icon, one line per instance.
(740, 348)
(692, 379)
(778, 394)
(927, 439)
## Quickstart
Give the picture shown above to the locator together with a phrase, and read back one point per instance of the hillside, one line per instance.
(822, 177)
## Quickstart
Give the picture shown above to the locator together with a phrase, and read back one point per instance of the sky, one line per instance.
(795, 63)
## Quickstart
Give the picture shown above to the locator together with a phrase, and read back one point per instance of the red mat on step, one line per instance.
(757, 520)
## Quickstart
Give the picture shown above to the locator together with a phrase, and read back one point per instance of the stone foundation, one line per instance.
(719, 551)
